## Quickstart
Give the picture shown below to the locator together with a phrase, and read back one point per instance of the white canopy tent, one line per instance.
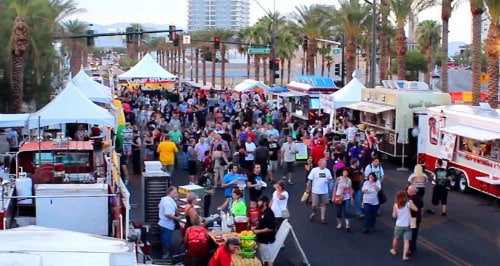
(13, 120)
(147, 68)
(37, 246)
(95, 91)
(70, 106)
(249, 84)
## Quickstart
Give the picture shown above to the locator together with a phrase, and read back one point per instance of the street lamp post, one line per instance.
(373, 64)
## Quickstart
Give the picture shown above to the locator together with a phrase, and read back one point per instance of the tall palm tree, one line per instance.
(384, 39)
(74, 27)
(445, 17)
(311, 21)
(287, 46)
(493, 50)
(351, 15)
(133, 47)
(428, 38)
(477, 10)
(401, 9)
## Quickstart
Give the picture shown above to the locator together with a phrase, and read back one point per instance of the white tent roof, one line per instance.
(249, 84)
(147, 68)
(13, 120)
(71, 106)
(350, 93)
(95, 91)
(35, 245)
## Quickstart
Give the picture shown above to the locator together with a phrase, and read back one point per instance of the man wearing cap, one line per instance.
(223, 255)
(265, 231)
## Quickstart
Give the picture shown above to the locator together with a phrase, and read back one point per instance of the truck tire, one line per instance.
(463, 186)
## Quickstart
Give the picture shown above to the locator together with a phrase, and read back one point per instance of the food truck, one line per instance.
(392, 112)
(306, 108)
(467, 138)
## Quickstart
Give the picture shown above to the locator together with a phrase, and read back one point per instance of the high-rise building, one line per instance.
(227, 14)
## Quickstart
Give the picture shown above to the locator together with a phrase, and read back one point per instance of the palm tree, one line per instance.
(134, 46)
(74, 27)
(445, 17)
(384, 39)
(329, 61)
(311, 21)
(401, 11)
(493, 50)
(477, 10)
(428, 38)
(287, 46)
(351, 16)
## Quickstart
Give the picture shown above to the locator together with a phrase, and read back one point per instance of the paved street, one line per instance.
(468, 236)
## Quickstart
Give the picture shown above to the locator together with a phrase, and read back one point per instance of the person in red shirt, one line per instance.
(253, 214)
(196, 239)
(222, 256)
(318, 152)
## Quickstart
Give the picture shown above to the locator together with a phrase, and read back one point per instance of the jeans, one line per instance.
(185, 160)
(344, 207)
(166, 237)
(330, 190)
(357, 202)
(370, 215)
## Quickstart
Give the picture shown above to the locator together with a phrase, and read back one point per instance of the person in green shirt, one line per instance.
(269, 117)
(175, 135)
(239, 207)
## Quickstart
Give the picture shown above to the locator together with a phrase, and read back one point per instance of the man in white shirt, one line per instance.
(351, 133)
(317, 183)
(376, 168)
(288, 151)
(167, 214)
(250, 153)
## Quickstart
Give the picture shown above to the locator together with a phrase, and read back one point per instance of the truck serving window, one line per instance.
(489, 149)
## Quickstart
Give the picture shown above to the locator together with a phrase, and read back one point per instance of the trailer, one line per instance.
(467, 138)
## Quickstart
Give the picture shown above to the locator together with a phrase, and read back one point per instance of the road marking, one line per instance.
(433, 248)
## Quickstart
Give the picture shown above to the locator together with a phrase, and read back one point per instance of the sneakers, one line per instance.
(290, 182)
(166, 257)
(431, 212)
(443, 214)
(284, 178)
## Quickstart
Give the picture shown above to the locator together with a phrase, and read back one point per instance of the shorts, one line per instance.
(439, 194)
(404, 232)
(127, 149)
(288, 167)
(192, 167)
(273, 165)
(265, 251)
(319, 199)
(166, 237)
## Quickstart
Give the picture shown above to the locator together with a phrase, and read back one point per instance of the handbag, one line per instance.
(413, 222)
(337, 200)
(305, 196)
(382, 198)
(285, 214)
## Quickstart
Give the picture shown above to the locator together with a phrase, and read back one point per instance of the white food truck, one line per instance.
(467, 138)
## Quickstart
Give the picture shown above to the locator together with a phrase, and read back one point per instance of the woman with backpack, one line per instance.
(196, 239)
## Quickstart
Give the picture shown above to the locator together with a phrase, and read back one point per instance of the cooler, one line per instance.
(198, 190)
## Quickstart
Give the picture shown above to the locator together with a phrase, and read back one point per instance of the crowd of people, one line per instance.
(236, 145)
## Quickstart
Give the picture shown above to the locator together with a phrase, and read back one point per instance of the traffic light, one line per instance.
(130, 37)
(217, 43)
(276, 65)
(337, 69)
(276, 75)
(171, 32)
(176, 39)
(305, 42)
(90, 39)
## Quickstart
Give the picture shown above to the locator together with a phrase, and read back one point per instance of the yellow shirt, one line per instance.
(167, 150)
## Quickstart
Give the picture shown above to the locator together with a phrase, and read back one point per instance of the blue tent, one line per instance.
(278, 89)
(317, 81)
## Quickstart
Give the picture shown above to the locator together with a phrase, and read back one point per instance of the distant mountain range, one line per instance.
(119, 41)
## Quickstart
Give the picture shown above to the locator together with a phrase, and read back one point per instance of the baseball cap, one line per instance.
(234, 241)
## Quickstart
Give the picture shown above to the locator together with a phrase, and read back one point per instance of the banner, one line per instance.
(447, 146)
(327, 103)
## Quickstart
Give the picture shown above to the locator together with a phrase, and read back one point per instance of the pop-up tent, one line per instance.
(149, 73)
(249, 85)
(13, 120)
(36, 245)
(70, 106)
(95, 91)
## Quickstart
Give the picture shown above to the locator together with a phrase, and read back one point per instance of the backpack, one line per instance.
(197, 242)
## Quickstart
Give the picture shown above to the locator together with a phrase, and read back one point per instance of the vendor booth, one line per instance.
(249, 85)
(307, 109)
(95, 91)
(147, 74)
(393, 114)
(349, 94)
(13, 120)
(70, 106)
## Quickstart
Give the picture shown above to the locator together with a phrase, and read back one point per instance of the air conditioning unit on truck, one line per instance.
(468, 139)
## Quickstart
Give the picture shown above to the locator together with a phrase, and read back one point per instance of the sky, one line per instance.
(175, 12)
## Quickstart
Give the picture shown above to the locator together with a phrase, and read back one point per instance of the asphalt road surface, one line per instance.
(469, 235)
